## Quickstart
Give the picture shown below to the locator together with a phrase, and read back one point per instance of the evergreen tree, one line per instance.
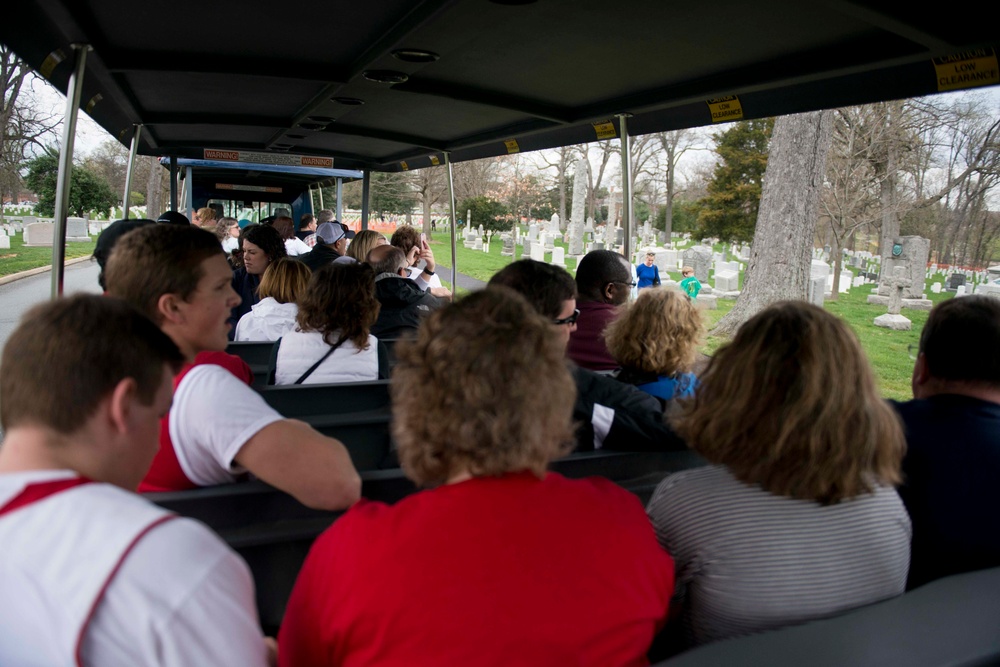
(729, 210)
(489, 213)
(87, 192)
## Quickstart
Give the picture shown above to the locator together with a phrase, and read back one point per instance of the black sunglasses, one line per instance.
(622, 282)
(568, 320)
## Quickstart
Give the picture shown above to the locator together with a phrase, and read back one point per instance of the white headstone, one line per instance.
(817, 288)
(559, 256)
(4, 242)
(76, 230)
(39, 234)
(537, 252)
(727, 281)
(936, 288)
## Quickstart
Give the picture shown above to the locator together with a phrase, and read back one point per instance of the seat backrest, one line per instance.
(951, 621)
(256, 355)
(356, 413)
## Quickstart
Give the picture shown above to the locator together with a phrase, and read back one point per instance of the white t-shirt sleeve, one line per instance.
(213, 415)
(180, 598)
(416, 275)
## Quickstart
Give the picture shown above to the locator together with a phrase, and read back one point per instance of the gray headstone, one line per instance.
(76, 230)
(817, 288)
(699, 258)
(913, 256)
(39, 234)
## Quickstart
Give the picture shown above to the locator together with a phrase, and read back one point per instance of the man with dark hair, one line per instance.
(952, 464)
(218, 428)
(611, 414)
(307, 229)
(603, 282)
(91, 573)
(404, 304)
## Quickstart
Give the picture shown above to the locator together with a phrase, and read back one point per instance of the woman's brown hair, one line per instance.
(483, 389)
(285, 280)
(340, 303)
(791, 405)
(657, 333)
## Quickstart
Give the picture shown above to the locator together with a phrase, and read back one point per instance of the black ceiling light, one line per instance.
(415, 55)
(384, 76)
(348, 101)
(312, 126)
(295, 136)
(326, 120)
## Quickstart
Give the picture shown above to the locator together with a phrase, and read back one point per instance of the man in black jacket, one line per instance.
(404, 304)
(611, 414)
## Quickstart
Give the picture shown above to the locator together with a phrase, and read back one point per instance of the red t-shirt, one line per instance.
(166, 473)
(508, 570)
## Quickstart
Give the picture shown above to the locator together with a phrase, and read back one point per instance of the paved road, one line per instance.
(18, 296)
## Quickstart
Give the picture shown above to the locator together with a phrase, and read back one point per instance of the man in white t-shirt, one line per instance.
(218, 429)
(91, 573)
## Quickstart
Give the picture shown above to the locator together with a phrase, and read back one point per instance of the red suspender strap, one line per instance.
(35, 492)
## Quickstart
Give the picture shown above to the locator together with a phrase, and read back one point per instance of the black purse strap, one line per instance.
(333, 348)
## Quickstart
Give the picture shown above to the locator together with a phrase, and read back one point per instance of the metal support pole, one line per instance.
(626, 148)
(173, 183)
(73, 91)
(189, 194)
(340, 199)
(312, 204)
(453, 224)
(321, 204)
(131, 167)
(366, 184)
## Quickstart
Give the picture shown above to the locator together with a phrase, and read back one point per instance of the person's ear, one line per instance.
(121, 402)
(609, 291)
(169, 308)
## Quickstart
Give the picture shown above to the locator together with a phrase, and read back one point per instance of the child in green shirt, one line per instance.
(690, 284)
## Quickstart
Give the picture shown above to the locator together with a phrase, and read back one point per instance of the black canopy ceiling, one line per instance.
(258, 75)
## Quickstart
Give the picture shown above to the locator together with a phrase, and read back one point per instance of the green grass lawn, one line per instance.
(20, 258)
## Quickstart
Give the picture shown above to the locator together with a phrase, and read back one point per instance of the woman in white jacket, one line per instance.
(283, 284)
(332, 343)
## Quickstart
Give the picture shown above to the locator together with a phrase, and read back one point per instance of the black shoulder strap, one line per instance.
(333, 348)
(272, 363)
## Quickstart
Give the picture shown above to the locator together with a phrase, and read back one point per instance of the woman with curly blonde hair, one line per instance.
(796, 518)
(656, 340)
(500, 558)
(332, 342)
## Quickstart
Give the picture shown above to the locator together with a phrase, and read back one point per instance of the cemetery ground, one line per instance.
(888, 351)
(20, 258)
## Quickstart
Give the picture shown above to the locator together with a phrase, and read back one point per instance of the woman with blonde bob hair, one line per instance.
(656, 341)
(363, 242)
(501, 558)
(796, 518)
(283, 283)
(332, 342)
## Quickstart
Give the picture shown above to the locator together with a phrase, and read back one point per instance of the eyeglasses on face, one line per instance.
(621, 282)
(568, 320)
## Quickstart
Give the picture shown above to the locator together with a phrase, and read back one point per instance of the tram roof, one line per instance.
(512, 75)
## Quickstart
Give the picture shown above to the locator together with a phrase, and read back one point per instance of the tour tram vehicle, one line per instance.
(399, 85)
(244, 184)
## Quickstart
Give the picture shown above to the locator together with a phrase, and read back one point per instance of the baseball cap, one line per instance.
(330, 232)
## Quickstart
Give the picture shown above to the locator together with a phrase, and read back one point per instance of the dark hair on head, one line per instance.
(173, 218)
(285, 227)
(405, 238)
(545, 287)
(803, 417)
(597, 269)
(67, 355)
(109, 238)
(953, 329)
(159, 259)
(305, 220)
(386, 259)
(340, 303)
(483, 389)
(267, 239)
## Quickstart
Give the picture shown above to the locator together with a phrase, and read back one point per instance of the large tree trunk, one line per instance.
(887, 185)
(789, 205)
(154, 189)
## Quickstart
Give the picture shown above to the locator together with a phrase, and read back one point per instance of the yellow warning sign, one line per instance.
(605, 129)
(93, 102)
(968, 69)
(512, 146)
(435, 161)
(51, 61)
(405, 166)
(725, 109)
